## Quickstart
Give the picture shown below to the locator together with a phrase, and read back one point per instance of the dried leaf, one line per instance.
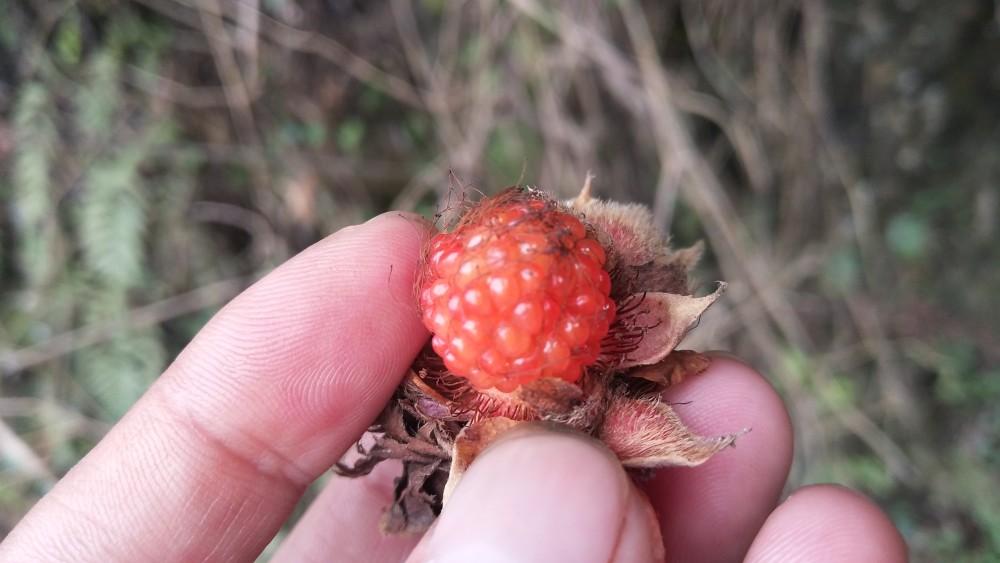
(550, 395)
(662, 319)
(648, 433)
(416, 501)
(413, 379)
(471, 442)
(393, 439)
(676, 367)
(426, 400)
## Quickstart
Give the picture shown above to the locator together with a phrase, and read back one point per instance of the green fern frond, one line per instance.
(34, 213)
(112, 220)
(100, 303)
(99, 99)
(62, 449)
(68, 39)
(114, 208)
(174, 190)
(36, 136)
(117, 374)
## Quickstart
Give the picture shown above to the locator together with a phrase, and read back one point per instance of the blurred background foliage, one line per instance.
(839, 157)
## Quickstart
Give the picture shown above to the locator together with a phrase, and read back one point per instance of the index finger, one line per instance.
(269, 395)
(713, 512)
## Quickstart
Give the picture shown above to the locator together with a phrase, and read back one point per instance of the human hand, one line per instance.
(544, 496)
(272, 392)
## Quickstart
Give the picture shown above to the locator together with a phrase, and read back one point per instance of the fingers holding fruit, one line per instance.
(567, 312)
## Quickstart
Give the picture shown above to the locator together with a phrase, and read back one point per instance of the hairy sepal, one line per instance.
(661, 320)
(647, 433)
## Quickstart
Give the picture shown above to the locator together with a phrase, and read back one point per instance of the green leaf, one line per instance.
(841, 272)
(34, 155)
(435, 7)
(112, 220)
(37, 137)
(99, 99)
(840, 393)
(69, 39)
(870, 474)
(118, 373)
(907, 236)
(10, 35)
(113, 215)
(350, 134)
(314, 133)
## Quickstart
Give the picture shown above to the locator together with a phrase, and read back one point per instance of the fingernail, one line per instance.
(536, 428)
(536, 495)
(640, 538)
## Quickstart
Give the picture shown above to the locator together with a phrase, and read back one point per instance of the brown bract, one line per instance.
(438, 423)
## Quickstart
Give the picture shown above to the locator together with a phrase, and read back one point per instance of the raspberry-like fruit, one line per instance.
(517, 292)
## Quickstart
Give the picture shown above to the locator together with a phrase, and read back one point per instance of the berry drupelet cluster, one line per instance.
(517, 292)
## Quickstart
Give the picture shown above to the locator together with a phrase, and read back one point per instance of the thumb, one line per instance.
(544, 495)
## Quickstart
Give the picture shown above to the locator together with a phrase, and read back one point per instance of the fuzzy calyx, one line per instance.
(451, 407)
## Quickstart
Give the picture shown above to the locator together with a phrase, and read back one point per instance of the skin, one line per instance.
(273, 391)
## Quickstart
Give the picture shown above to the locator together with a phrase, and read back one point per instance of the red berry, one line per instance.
(517, 292)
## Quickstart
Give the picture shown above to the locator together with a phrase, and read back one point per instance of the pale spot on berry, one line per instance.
(470, 270)
(475, 240)
(603, 282)
(593, 249)
(493, 361)
(512, 342)
(556, 350)
(439, 289)
(531, 278)
(439, 322)
(528, 316)
(575, 333)
(503, 291)
(476, 331)
(532, 244)
(445, 261)
(585, 304)
(496, 256)
(477, 301)
(463, 350)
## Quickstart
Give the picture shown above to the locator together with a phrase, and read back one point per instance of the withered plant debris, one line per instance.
(438, 422)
